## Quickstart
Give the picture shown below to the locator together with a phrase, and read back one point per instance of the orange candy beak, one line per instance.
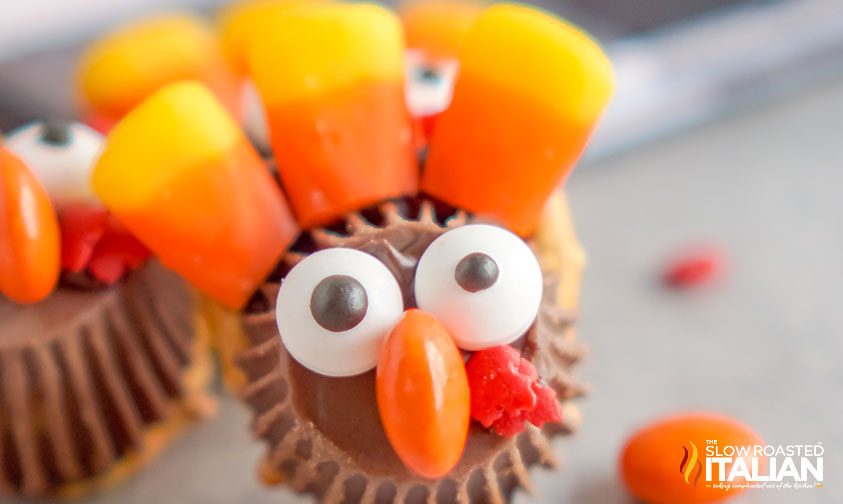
(29, 234)
(530, 90)
(423, 396)
(332, 80)
(179, 174)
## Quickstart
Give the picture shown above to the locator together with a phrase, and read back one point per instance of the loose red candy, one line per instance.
(506, 392)
(693, 268)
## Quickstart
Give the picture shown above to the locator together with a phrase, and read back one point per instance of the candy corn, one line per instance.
(331, 78)
(29, 234)
(423, 395)
(121, 70)
(179, 174)
(527, 97)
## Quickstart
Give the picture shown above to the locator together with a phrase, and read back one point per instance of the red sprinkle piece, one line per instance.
(82, 227)
(694, 268)
(506, 392)
(93, 241)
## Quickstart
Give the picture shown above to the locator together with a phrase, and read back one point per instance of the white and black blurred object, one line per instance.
(429, 84)
(678, 62)
(254, 119)
(62, 154)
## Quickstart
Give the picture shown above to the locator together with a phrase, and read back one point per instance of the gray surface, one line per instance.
(763, 345)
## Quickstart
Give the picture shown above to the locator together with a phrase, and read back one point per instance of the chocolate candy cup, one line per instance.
(324, 435)
(89, 377)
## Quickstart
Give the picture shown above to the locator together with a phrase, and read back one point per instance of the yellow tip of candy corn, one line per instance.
(240, 22)
(557, 64)
(176, 129)
(122, 69)
(364, 42)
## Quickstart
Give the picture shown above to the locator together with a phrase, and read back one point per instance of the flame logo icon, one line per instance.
(690, 461)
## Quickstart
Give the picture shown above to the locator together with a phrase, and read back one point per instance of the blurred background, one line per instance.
(679, 62)
(725, 135)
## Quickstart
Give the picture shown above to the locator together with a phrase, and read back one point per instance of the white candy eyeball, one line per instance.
(62, 155)
(334, 310)
(482, 283)
(429, 85)
(254, 117)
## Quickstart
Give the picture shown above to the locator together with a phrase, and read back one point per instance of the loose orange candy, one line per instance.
(332, 80)
(179, 174)
(665, 462)
(423, 396)
(29, 234)
(123, 68)
(437, 27)
(529, 92)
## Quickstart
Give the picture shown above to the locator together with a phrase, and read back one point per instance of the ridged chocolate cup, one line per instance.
(316, 449)
(86, 375)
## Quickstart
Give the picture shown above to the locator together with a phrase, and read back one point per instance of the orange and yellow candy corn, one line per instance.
(124, 68)
(179, 174)
(423, 396)
(29, 234)
(529, 92)
(332, 80)
(437, 27)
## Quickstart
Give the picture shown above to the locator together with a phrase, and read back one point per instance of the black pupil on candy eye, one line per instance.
(55, 132)
(429, 75)
(338, 303)
(476, 272)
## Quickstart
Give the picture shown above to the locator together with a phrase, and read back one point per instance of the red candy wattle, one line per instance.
(506, 392)
(93, 241)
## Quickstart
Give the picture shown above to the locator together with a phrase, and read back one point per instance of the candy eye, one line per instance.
(429, 85)
(482, 282)
(254, 118)
(334, 310)
(62, 155)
